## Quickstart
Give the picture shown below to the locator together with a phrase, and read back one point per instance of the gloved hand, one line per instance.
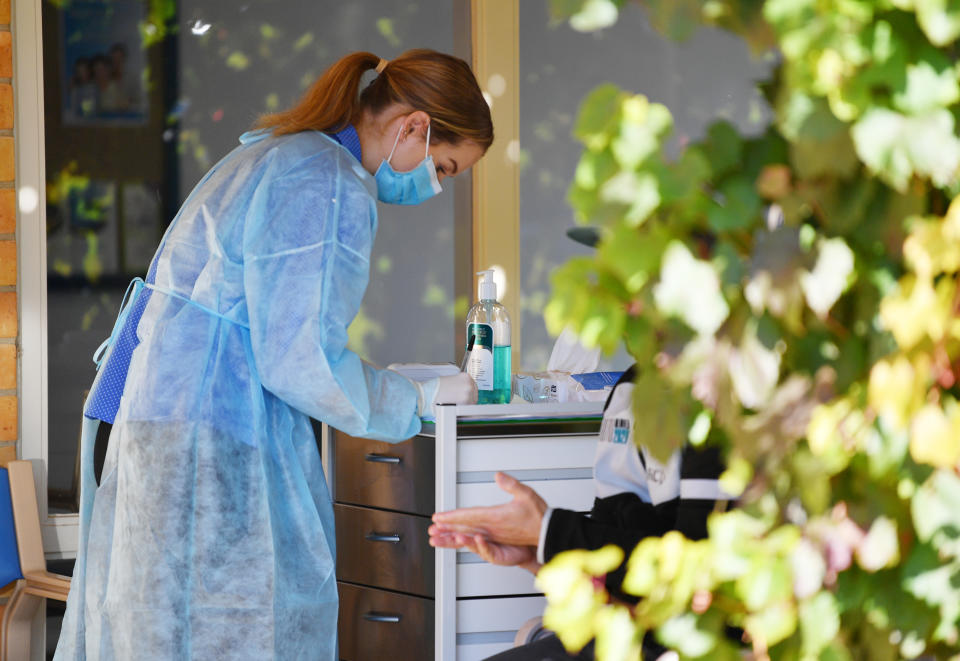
(454, 389)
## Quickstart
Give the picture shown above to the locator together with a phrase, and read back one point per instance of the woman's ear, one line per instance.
(416, 124)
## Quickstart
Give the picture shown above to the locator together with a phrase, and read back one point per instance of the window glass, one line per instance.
(709, 76)
(141, 98)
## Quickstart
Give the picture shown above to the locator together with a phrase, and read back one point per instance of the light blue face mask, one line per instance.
(413, 187)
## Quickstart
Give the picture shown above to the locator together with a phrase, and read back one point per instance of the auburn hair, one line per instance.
(441, 85)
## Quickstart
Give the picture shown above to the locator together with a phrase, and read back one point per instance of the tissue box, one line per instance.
(592, 386)
(539, 387)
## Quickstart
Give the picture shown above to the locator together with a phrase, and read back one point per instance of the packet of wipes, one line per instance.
(539, 387)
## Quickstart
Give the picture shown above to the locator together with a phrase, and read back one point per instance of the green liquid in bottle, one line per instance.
(502, 386)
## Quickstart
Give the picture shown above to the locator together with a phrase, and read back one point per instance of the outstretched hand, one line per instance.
(516, 523)
(496, 554)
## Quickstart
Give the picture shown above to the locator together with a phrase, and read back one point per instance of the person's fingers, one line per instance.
(484, 549)
(464, 515)
(511, 484)
(454, 528)
(445, 541)
(467, 542)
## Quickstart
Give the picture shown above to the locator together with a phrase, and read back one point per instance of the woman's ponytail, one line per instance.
(443, 86)
(330, 104)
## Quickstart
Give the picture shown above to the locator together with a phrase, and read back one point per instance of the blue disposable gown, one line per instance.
(211, 533)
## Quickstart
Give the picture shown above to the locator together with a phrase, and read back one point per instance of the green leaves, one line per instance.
(931, 84)
(690, 289)
(819, 623)
(936, 517)
(940, 19)
(897, 147)
(793, 296)
(830, 277)
(598, 116)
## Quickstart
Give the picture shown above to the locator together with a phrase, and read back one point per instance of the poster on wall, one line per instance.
(103, 65)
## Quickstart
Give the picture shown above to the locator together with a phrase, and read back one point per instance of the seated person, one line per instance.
(636, 497)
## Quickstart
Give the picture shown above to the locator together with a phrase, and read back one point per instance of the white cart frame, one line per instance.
(570, 462)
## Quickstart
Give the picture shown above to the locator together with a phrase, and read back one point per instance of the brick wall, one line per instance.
(9, 319)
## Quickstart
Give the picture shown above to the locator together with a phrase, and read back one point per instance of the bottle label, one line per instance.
(480, 363)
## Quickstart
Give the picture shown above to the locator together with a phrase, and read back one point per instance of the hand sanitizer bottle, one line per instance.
(488, 326)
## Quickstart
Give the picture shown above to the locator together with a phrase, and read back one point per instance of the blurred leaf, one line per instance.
(879, 549)
(736, 477)
(386, 29)
(819, 623)
(677, 19)
(632, 254)
(930, 86)
(571, 594)
(918, 310)
(831, 276)
(940, 20)
(736, 206)
(642, 126)
(617, 637)
(681, 634)
(237, 60)
(723, 148)
(598, 116)
(754, 370)
(663, 411)
(935, 436)
(773, 624)
(594, 15)
(690, 289)
(936, 516)
(638, 192)
(928, 578)
(809, 570)
(896, 147)
(932, 248)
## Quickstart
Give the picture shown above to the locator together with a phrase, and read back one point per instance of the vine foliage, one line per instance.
(794, 298)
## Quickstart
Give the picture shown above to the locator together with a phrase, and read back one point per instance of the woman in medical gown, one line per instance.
(210, 535)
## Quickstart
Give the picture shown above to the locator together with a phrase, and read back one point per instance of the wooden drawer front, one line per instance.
(393, 476)
(375, 624)
(384, 549)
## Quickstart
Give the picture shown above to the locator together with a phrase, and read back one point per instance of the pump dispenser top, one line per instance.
(488, 288)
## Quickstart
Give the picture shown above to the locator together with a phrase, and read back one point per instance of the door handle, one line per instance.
(381, 458)
(391, 537)
(374, 616)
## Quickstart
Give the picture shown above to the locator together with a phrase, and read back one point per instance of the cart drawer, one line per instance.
(376, 624)
(393, 476)
(384, 549)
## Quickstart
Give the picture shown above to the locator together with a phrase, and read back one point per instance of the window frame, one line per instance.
(60, 532)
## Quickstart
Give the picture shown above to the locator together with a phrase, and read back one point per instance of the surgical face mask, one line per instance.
(413, 187)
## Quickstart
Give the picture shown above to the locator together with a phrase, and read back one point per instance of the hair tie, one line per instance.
(382, 64)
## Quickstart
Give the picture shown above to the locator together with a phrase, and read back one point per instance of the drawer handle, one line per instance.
(391, 537)
(373, 616)
(381, 458)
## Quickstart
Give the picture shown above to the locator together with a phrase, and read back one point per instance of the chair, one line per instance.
(22, 560)
(532, 630)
